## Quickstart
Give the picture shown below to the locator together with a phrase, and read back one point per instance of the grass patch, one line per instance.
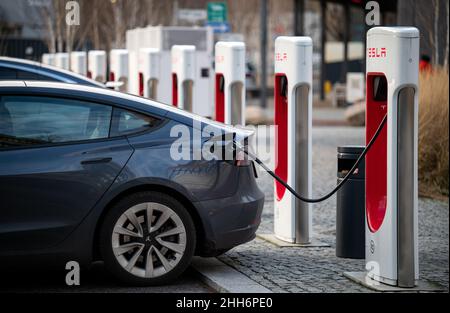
(433, 133)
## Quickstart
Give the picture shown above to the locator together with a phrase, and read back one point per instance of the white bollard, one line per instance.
(230, 82)
(183, 76)
(293, 118)
(62, 60)
(149, 73)
(391, 164)
(48, 58)
(78, 62)
(118, 69)
(163, 38)
(97, 65)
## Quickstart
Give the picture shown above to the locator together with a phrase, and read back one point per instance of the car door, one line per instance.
(56, 161)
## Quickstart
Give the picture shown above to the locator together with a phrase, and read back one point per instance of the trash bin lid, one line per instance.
(347, 156)
(352, 149)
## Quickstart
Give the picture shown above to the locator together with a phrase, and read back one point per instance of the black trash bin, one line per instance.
(350, 209)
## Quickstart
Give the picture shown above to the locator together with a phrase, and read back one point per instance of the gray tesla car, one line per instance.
(91, 174)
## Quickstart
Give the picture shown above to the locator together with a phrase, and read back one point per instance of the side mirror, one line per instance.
(113, 85)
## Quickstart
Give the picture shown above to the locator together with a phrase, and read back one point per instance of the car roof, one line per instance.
(77, 87)
(49, 68)
(84, 88)
(20, 61)
(171, 111)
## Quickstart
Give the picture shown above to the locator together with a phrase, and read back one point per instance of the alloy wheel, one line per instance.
(149, 240)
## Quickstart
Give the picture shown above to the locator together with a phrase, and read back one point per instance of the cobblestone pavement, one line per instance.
(318, 269)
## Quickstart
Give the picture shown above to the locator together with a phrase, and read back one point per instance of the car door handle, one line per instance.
(96, 161)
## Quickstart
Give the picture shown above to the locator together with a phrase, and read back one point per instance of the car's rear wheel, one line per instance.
(147, 238)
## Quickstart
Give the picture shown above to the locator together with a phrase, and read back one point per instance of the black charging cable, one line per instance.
(343, 181)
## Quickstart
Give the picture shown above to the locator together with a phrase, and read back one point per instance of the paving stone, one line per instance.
(318, 269)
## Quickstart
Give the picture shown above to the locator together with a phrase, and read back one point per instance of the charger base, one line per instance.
(364, 280)
(281, 243)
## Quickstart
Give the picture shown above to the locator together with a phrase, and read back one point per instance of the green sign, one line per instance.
(217, 12)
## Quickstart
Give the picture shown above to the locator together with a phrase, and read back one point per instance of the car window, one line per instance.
(28, 120)
(14, 74)
(26, 75)
(127, 122)
(7, 73)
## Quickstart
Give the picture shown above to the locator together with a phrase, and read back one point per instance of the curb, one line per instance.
(223, 278)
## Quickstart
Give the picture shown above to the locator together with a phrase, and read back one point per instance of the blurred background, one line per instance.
(29, 28)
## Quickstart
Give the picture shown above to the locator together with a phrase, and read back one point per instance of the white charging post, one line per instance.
(183, 76)
(118, 68)
(78, 62)
(230, 82)
(97, 65)
(135, 39)
(48, 58)
(293, 111)
(391, 164)
(62, 60)
(163, 38)
(149, 72)
(355, 87)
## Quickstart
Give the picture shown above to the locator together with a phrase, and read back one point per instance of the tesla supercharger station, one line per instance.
(293, 110)
(230, 82)
(48, 58)
(118, 69)
(149, 72)
(78, 62)
(97, 65)
(183, 76)
(62, 60)
(391, 164)
(163, 38)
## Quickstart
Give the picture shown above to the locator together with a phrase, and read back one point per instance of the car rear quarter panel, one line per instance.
(200, 179)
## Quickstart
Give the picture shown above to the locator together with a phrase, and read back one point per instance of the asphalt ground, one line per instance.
(93, 280)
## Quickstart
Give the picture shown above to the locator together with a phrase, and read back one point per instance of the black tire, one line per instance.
(106, 250)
